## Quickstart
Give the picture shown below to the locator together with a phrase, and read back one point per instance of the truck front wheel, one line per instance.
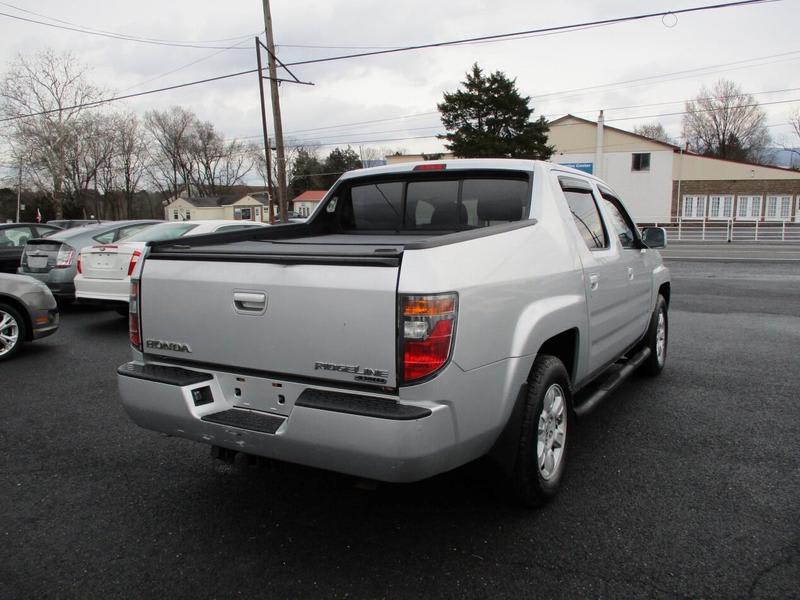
(542, 448)
(656, 339)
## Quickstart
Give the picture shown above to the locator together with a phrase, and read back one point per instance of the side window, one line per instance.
(620, 222)
(104, 238)
(584, 211)
(15, 236)
(129, 230)
(234, 227)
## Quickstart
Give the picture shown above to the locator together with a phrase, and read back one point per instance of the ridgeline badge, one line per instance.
(361, 374)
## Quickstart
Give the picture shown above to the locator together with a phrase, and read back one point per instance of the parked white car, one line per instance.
(104, 270)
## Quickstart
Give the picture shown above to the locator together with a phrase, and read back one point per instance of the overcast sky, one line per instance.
(757, 46)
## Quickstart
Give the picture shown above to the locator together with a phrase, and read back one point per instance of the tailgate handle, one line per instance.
(250, 302)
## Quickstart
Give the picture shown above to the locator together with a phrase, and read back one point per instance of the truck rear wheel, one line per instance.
(546, 422)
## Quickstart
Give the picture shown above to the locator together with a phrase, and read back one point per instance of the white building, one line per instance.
(250, 207)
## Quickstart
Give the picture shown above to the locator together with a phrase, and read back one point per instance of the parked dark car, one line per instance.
(53, 260)
(14, 236)
(70, 223)
(28, 312)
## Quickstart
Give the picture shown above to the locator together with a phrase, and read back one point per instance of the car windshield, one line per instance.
(161, 232)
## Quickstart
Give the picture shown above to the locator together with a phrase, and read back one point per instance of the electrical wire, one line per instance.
(115, 36)
(547, 115)
(404, 49)
(516, 34)
(30, 12)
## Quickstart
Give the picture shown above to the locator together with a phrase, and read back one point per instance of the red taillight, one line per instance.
(80, 267)
(427, 327)
(134, 259)
(65, 256)
(133, 317)
(432, 167)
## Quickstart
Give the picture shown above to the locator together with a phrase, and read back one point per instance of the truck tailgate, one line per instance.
(324, 321)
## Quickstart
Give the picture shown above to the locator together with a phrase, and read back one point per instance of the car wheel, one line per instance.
(12, 331)
(542, 448)
(656, 339)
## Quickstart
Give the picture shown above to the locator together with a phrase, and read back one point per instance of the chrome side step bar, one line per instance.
(589, 399)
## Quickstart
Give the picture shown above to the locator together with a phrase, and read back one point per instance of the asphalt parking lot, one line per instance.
(683, 486)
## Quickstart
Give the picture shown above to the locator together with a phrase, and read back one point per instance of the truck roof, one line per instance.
(511, 164)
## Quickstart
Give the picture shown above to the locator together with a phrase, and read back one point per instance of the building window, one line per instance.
(779, 208)
(640, 161)
(748, 208)
(720, 207)
(243, 214)
(188, 215)
(694, 207)
(175, 216)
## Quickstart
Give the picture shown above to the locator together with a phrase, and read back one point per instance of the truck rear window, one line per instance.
(445, 203)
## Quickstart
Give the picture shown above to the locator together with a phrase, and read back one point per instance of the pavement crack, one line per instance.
(779, 562)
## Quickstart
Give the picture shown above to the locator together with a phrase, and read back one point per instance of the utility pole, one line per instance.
(19, 188)
(267, 149)
(276, 113)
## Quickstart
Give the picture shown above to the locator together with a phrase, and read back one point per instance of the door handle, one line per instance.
(594, 281)
(251, 302)
(630, 273)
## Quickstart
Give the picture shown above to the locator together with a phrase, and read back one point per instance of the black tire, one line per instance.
(657, 359)
(12, 327)
(532, 483)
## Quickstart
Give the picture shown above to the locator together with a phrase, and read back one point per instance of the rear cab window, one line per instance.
(440, 201)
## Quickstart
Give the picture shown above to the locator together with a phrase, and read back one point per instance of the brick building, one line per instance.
(660, 182)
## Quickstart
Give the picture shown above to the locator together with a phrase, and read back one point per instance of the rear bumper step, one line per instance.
(161, 374)
(365, 406)
(247, 419)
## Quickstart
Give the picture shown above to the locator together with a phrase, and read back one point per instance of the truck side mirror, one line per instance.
(654, 237)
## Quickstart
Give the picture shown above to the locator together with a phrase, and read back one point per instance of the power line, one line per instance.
(49, 18)
(547, 116)
(126, 96)
(556, 28)
(116, 36)
(667, 114)
(663, 75)
(182, 67)
(560, 28)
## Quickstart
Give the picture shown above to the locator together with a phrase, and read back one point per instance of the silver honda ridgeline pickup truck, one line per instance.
(425, 315)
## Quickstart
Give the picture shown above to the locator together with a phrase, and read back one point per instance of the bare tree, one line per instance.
(170, 133)
(654, 131)
(44, 95)
(214, 164)
(188, 153)
(130, 157)
(88, 154)
(726, 123)
(794, 121)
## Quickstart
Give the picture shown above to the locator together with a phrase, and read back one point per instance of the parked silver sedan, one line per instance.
(53, 260)
(28, 311)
